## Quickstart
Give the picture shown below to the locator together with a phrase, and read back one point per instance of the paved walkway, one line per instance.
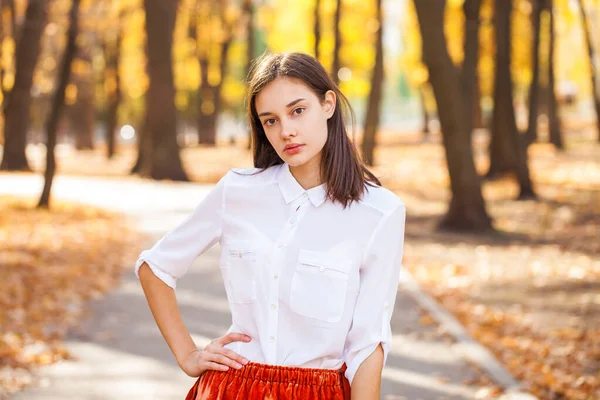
(120, 353)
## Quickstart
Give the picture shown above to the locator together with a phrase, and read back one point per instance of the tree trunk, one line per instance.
(425, 113)
(508, 151)
(58, 102)
(112, 55)
(207, 122)
(16, 106)
(502, 156)
(317, 27)
(374, 102)
(162, 161)
(217, 90)
(469, 68)
(337, 46)
(250, 32)
(82, 118)
(592, 57)
(534, 87)
(82, 112)
(143, 145)
(467, 208)
(250, 48)
(477, 113)
(553, 118)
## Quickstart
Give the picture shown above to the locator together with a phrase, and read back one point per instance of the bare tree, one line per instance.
(371, 124)
(508, 150)
(467, 208)
(112, 55)
(82, 114)
(209, 95)
(58, 102)
(249, 11)
(469, 74)
(337, 46)
(425, 113)
(17, 104)
(592, 57)
(553, 118)
(161, 159)
(534, 87)
(250, 32)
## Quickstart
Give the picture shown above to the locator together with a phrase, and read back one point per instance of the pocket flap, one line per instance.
(322, 259)
(242, 248)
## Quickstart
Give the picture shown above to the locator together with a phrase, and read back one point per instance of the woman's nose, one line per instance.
(287, 129)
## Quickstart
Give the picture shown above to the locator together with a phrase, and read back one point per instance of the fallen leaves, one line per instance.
(51, 264)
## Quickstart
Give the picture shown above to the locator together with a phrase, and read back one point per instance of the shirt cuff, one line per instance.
(168, 279)
(362, 355)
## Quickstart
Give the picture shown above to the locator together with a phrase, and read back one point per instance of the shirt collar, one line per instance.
(291, 189)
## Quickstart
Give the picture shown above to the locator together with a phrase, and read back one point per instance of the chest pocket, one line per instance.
(241, 272)
(319, 287)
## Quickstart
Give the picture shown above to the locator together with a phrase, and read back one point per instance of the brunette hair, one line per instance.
(342, 169)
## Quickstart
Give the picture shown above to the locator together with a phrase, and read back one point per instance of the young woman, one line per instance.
(311, 247)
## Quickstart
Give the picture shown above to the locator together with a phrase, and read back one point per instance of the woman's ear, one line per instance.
(330, 103)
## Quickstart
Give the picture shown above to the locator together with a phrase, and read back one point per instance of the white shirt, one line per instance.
(313, 284)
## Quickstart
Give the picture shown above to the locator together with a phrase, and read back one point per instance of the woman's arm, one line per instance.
(367, 381)
(163, 304)
(371, 321)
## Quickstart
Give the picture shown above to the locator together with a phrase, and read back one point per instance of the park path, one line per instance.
(119, 351)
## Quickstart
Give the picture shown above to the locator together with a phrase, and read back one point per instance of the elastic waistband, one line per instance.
(293, 375)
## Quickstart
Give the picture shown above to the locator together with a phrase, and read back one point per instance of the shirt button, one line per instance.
(322, 269)
(272, 339)
(293, 221)
(280, 245)
(275, 276)
(273, 306)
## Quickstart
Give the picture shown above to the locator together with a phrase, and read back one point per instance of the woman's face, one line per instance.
(294, 119)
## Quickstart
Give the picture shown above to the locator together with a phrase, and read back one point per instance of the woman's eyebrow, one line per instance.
(262, 114)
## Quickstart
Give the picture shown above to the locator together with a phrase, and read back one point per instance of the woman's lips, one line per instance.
(294, 150)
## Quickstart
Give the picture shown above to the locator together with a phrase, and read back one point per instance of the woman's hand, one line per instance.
(215, 356)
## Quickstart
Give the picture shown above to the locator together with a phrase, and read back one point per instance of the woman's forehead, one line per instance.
(280, 92)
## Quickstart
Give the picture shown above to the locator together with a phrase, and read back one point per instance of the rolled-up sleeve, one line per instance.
(170, 257)
(379, 277)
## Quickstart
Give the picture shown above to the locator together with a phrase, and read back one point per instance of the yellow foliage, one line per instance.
(71, 94)
(8, 81)
(571, 62)
(181, 100)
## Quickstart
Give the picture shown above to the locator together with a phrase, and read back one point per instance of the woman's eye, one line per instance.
(269, 122)
(298, 111)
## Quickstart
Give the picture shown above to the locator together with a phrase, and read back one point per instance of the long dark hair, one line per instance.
(342, 169)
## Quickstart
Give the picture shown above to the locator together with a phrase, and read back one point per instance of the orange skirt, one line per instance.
(261, 381)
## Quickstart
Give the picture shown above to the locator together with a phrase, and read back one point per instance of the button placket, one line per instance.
(273, 313)
(277, 260)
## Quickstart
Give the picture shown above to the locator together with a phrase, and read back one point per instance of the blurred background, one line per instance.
(482, 115)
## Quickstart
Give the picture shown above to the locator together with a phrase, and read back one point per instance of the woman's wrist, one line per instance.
(184, 356)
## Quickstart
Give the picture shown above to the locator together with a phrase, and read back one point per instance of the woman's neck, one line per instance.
(308, 174)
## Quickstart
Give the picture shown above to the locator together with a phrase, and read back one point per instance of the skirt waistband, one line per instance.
(293, 375)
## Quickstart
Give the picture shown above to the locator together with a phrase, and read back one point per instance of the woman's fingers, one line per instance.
(232, 355)
(215, 366)
(233, 337)
(218, 358)
(221, 359)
